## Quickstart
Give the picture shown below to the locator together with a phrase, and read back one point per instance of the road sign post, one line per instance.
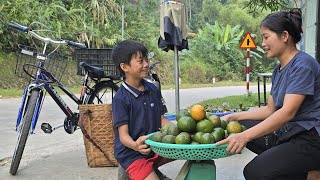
(248, 43)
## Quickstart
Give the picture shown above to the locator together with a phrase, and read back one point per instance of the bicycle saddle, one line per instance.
(93, 71)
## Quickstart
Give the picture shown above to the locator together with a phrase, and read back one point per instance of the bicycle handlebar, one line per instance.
(25, 29)
(76, 44)
(153, 65)
(19, 27)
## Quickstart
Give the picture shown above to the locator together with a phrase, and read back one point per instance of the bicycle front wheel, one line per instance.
(103, 93)
(24, 130)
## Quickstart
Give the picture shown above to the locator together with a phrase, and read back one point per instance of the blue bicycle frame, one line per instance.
(43, 74)
(42, 68)
(24, 101)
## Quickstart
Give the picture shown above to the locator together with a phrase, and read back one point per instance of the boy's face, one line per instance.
(138, 67)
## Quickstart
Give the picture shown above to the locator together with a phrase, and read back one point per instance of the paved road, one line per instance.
(62, 156)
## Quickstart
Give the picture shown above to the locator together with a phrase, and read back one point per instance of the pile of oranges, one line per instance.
(197, 126)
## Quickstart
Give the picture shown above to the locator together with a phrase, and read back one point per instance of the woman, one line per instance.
(285, 133)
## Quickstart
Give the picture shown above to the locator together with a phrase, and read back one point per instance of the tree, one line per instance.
(218, 47)
(53, 14)
(101, 25)
(273, 5)
(96, 23)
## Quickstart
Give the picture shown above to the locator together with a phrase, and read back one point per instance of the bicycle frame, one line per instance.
(23, 106)
(41, 75)
(34, 93)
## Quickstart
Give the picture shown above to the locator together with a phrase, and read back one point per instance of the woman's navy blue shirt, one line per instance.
(300, 76)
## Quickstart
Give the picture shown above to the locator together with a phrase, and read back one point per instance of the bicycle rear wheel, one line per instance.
(103, 93)
(24, 129)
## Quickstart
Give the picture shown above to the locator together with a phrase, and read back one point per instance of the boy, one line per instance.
(137, 111)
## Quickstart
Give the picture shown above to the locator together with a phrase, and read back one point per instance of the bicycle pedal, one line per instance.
(46, 128)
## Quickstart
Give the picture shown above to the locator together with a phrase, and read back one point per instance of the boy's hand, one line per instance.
(141, 146)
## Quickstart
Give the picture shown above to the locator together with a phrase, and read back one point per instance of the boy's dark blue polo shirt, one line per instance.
(142, 111)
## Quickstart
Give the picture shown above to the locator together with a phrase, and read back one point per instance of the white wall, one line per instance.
(309, 8)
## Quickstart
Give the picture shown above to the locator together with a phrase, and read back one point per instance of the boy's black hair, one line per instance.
(125, 50)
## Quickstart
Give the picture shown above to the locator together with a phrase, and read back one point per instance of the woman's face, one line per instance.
(272, 44)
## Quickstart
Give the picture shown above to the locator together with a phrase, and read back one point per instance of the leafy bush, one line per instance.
(193, 72)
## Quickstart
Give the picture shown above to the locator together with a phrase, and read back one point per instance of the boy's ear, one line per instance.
(124, 67)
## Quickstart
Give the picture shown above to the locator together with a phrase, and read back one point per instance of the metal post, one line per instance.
(248, 69)
(264, 90)
(122, 13)
(259, 90)
(176, 75)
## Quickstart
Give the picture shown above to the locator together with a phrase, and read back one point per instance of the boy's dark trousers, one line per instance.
(291, 160)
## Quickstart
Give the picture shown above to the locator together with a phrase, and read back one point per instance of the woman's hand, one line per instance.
(141, 146)
(227, 117)
(236, 142)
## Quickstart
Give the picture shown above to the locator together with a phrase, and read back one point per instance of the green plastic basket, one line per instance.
(188, 151)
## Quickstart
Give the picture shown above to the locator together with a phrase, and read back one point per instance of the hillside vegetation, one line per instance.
(8, 79)
(214, 34)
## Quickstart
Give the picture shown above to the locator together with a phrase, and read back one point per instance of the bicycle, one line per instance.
(45, 70)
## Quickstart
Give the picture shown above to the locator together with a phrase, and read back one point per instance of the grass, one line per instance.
(217, 84)
(10, 93)
(232, 103)
(16, 93)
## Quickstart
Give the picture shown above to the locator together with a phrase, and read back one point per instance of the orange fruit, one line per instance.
(198, 112)
(183, 138)
(205, 126)
(207, 138)
(215, 120)
(233, 127)
(186, 124)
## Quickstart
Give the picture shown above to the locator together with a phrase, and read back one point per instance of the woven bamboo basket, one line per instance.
(96, 122)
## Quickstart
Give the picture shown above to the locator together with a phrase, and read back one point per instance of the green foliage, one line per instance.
(142, 23)
(224, 57)
(225, 37)
(273, 5)
(211, 11)
(92, 22)
(7, 64)
(52, 14)
(8, 80)
(101, 24)
(239, 17)
(217, 27)
(194, 18)
(233, 102)
(194, 72)
(221, 30)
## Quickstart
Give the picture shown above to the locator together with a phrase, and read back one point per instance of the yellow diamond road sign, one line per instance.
(248, 42)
